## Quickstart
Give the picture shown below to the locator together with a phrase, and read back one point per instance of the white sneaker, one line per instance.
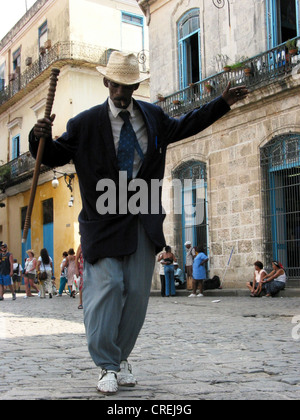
(192, 295)
(200, 295)
(125, 376)
(107, 383)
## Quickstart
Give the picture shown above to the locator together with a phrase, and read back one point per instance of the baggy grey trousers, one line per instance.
(115, 299)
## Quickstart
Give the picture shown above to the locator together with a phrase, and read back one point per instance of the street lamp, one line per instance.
(55, 181)
(70, 203)
(68, 180)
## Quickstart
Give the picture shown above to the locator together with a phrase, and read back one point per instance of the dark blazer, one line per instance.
(88, 141)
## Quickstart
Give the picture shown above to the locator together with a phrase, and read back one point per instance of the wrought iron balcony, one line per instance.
(61, 54)
(18, 170)
(254, 72)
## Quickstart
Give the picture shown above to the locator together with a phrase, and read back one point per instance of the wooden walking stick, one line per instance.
(48, 109)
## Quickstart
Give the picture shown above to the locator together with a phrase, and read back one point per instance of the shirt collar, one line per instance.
(116, 111)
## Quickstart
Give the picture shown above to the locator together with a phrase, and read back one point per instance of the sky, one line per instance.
(11, 12)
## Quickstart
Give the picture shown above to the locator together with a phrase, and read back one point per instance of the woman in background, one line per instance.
(71, 264)
(45, 264)
(255, 287)
(199, 272)
(30, 274)
(168, 258)
(63, 274)
(276, 280)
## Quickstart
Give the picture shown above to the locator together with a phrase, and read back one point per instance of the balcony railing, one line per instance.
(254, 72)
(17, 171)
(61, 54)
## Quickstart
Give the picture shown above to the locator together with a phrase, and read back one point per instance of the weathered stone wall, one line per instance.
(231, 150)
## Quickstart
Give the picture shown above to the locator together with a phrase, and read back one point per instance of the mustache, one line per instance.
(123, 101)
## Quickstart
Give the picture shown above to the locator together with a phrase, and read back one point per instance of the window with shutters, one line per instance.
(282, 21)
(189, 48)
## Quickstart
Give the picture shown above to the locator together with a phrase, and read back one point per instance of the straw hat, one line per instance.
(123, 68)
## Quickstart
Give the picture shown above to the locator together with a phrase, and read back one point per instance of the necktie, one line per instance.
(127, 144)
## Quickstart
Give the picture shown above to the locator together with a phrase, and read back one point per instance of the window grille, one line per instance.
(280, 165)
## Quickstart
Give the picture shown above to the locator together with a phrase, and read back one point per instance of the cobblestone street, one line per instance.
(189, 349)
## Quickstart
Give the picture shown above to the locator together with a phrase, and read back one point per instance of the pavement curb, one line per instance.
(288, 292)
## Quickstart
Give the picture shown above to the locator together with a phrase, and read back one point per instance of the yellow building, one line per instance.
(74, 36)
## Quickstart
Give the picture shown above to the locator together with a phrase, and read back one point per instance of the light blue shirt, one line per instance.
(179, 273)
(199, 271)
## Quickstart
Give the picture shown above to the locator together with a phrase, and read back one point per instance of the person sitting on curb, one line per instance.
(255, 287)
(179, 277)
(276, 280)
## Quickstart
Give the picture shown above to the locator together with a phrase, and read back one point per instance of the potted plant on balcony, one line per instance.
(248, 70)
(208, 87)
(236, 66)
(47, 44)
(5, 175)
(160, 97)
(291, 45)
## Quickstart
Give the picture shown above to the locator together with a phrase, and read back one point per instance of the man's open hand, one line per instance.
(233, 95)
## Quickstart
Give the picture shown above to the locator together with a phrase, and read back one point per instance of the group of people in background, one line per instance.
(38, 274)
(71, 274)
(269, 284)
(171, 275)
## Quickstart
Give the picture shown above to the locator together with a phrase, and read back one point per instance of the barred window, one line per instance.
(280, 164)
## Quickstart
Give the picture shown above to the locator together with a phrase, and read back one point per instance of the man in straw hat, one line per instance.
(120, 141)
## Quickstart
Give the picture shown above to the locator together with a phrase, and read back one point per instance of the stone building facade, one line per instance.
(248, 162)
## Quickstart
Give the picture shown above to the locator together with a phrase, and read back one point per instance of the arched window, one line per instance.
(191, 222)
(189, 48)
(280, 164)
